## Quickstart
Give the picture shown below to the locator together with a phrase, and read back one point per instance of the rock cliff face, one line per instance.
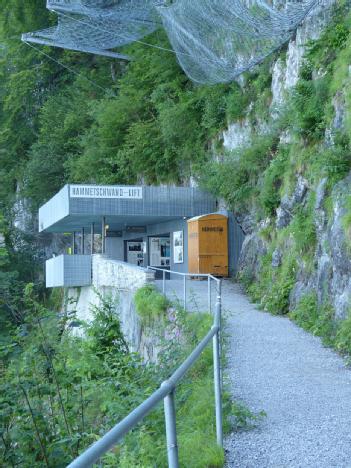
(330, 273)
(285, 75)
(332, 276)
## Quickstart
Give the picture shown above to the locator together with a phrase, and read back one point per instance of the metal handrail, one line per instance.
(181, 273)
(190, 275)
(166, 392)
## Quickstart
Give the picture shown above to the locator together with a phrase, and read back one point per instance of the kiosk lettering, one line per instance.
(88, 191)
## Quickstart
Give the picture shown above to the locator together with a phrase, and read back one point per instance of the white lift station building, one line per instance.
(140, 225)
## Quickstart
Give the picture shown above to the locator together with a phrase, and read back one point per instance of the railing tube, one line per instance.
(171, 431)
(163, 281)
(99, 448)
(166, 393)
(184, 293)
(209, 293)
(217, 372)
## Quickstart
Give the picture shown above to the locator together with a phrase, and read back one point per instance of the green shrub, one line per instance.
(343, 336)
(277, 299)
(237, 102)
(334, 162)
(150, 304)
(213, 100)
(303, 230)
(277, 285)
(326, 326)
(243, 417)
(257, 289)
(346, 221)
(308, 102)
(55, 299)
(235, 178)
(272, 180)
(323, 51)
(305, 313)
(105, 331)
(319, 319)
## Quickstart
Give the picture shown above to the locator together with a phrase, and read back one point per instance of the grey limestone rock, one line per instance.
(251, 254)
(285, 210)
(277, 258)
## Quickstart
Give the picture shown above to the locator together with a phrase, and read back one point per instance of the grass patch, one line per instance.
(306, 314)
(346, 222)
(303, 229)
(319, 319)
(272, 290)
(150, 304)
(236, 177)
(272, 181)
(343, 336)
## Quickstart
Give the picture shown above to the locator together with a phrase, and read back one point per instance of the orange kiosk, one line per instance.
(208, 244)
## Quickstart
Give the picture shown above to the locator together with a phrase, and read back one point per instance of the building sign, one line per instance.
(212, 229)
(106, 191)
(136, 229)
(178, 247)
(114, 233)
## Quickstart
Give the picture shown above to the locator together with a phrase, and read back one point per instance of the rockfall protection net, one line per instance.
(214, 40)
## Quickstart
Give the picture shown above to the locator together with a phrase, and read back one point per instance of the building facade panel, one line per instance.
(54, 272)
(156, 201)
(56, 209)
(77, 270)
(67, 271)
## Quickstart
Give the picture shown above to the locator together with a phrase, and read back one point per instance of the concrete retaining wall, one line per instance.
(118, 281)
(119, 275)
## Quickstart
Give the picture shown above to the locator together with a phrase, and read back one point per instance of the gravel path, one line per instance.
(304, 388)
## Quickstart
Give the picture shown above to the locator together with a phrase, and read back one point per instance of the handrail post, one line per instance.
(171, 431)
(184, 292)
(164, 281)
(217, 370)
(209, 293)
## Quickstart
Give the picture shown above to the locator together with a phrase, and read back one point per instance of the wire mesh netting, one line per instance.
(214, 40)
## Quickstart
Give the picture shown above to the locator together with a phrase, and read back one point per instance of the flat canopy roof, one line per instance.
(78, 206)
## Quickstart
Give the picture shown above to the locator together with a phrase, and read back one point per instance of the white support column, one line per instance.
(92, 239)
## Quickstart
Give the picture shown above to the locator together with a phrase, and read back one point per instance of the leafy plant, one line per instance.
(235, 178)
(272, 181)
(346, 221)
(303, 229)
(305, 313)
(343, 336)
(308, 106)
(326, 326)
(244, 418)
(105, 331)
(150, 304)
